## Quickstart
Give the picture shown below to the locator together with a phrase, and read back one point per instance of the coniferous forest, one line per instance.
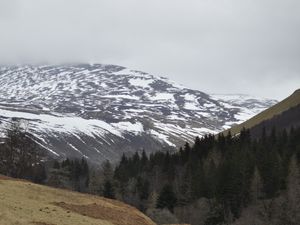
(131, 112)
(215, 180)
(219, 180)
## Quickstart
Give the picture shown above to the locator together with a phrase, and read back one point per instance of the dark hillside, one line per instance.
(286, 104)
(286, 120)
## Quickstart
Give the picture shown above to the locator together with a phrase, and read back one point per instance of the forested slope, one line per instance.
(231, 180)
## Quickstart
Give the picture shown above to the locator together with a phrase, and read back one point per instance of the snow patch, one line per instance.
(135, 128)
(191, 102)
(144, 83)
(122, 96)
(191, 106)
(163, 97)
(161, 137)
(69, 125)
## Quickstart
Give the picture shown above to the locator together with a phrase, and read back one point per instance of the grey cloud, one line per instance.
(249, 46)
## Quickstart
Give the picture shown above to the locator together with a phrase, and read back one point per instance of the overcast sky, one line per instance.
(217, 46)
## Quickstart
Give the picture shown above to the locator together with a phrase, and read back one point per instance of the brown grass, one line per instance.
(177, 224)
(42, 223)
(118, 216)
(25, 203)
(9, 178)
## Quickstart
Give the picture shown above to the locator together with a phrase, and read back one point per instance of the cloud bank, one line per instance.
(221, 46)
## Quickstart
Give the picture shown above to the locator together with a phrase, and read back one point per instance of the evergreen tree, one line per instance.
(121, 173)
(19, 153)
(144, 160)
(269, 166)
(256, 186)
(211, 180)
(198, 181)
(56, 165)
(143, 188)
(167, 198)
(108, 190)
(293, 192)
(107, 170)
(231, 172)
(94, 183)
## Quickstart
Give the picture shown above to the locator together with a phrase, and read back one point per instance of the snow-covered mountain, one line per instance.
(100, 111)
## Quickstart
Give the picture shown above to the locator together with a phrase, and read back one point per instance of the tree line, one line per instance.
(216, 180)
(20, 156)
(229, 175)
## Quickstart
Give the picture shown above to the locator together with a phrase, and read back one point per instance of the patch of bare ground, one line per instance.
(42, 223)
(4, 177)
(117, 215)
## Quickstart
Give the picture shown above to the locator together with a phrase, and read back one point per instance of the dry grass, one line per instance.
(104, 213)
(277, 109)
(24, 203)
(177, 224)
(41, 223)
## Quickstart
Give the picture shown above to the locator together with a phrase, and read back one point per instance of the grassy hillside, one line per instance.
(277, 109)
(25, 203)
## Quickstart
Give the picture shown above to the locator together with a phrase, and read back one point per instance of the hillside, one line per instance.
(30, 204)
(100, 111)
(287, 104)
(286, 120)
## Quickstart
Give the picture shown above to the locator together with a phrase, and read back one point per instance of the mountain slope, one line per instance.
(31, 204)
(286, 120)
(100, 111)
(269, 114)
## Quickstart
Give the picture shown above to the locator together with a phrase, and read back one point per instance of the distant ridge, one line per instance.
(287, 104)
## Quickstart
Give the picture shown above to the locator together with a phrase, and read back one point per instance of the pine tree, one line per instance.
(234, 181)
(107, 170)
(167, 198)
(19, 153)
(108, 190)
(144, 159)
(142, 187)
(256, 186)
(198, 181)
(94, 183)
(293, 191)
(56, 165)
(211, 179)
(269, 166)
(121, 173)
